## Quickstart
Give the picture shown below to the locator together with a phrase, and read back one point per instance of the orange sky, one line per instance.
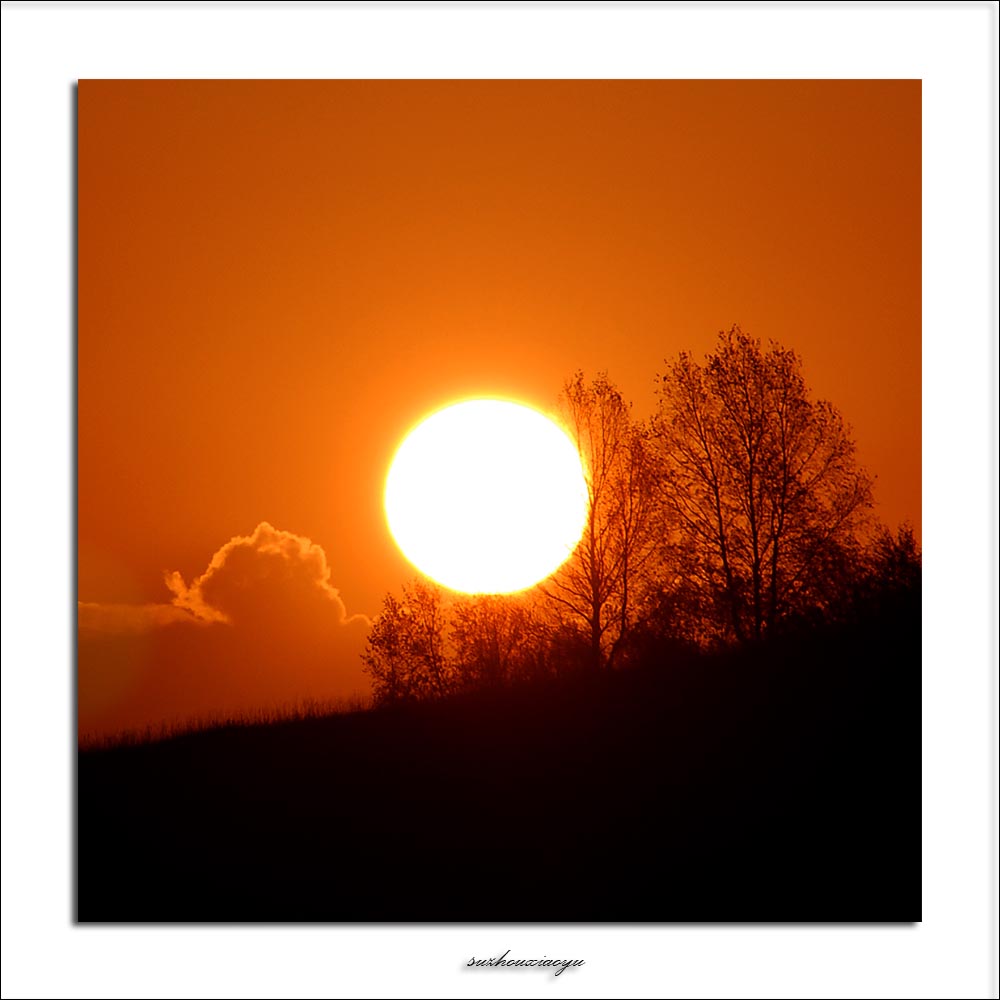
(276, 280)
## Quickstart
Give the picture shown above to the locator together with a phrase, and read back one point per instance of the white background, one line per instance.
(951, 47)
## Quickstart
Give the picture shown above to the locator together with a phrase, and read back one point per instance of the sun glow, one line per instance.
(486, 496)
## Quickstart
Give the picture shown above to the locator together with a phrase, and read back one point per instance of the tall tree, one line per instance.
(760, 481)
(406, 655)
(599, 587)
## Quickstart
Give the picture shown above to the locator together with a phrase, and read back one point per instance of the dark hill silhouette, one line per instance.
(777, 782)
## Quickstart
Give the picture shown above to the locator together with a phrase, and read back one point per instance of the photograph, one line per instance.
(498, 500)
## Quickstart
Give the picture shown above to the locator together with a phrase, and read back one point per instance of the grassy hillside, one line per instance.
(780, 783)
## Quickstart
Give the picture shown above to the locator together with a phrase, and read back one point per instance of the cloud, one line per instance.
(267, 571)
(250, 579)
(261, 626)
(125, 618)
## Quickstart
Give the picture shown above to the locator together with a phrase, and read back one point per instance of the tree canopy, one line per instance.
(760, 484)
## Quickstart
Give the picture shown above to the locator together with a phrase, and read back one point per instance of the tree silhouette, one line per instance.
(737, 510)
(760, 484)
(599, 586)
(496, 639)
(405, 654)
(888, 579)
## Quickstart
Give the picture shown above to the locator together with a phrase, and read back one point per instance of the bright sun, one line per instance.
(486, 496)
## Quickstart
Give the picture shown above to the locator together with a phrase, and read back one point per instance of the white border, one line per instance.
(951, 47)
